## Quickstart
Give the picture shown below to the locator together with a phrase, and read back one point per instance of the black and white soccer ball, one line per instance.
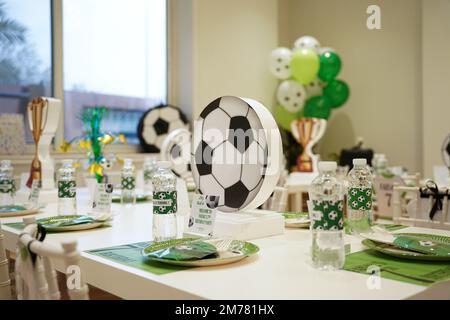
(156, 124)
(230, 153)
(176, 148)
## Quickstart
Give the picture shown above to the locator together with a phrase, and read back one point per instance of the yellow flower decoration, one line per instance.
(106, 139)
(122, 138)
(66, 146)
(95, 168)
(84, 144)
(120, 161)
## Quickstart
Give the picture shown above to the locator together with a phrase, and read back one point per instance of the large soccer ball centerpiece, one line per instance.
(236, 153)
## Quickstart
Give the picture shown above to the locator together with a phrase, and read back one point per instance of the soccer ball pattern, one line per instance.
(176, 149)
(156, 124)
(229, 153)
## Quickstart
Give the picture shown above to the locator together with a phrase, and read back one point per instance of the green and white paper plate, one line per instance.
(16, 211)
(296, 219)
(407, 254)
(69, 223)
(237, 251)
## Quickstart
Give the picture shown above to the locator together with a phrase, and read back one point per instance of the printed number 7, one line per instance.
(388, 196)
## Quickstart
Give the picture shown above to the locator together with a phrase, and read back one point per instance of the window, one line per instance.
(114, 55)
(25, 54)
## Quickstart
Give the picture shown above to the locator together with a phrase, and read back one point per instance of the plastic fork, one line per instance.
(223, 245)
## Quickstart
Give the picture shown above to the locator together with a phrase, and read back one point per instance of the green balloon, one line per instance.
(337, 91)
(284, 117)
(330, 65)
(304, 65)
(318, 107)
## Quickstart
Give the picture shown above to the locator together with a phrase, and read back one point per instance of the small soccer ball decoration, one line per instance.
(176, 148)
(236, 153)
(157, 123)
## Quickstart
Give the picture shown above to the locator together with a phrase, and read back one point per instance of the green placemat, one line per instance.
(130, 255)
(387, 226)
(423, 273)
(15, 225)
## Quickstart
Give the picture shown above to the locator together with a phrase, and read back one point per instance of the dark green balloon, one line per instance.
(337, 91)
(330, 65)
(317, 107)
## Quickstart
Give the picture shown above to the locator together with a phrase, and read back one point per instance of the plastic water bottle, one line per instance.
(149, 169)
(67, 189)
(7, 183)
(359, 197)
(128, 182)
(379, 164)
(164, 203)
(327, 218)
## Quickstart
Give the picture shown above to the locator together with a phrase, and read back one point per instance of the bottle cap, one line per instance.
(164, 164)
(359, 162)
(5, 163)
(150, 160)
(67, 162)
(327, 166)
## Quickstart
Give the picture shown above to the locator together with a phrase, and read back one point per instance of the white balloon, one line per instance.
(307, 42)
(325, 49)
(279, 63)
(314, 88)
(291, 95)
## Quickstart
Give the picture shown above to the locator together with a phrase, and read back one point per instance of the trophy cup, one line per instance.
(37, 121)
(43, 118)
(307, 132)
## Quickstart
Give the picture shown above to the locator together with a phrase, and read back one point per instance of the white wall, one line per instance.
(382, 68)
(436, 80)
(231, 43)
(224, 51)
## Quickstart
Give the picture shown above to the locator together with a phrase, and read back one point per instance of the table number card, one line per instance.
(384, 189)
(103, 198)
(203, 215)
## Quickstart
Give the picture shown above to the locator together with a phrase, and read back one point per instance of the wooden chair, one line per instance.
(277, 201)
(41, 272)
(409, 196)
(5, 281)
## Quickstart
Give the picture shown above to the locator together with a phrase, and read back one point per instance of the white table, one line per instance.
(281, 270)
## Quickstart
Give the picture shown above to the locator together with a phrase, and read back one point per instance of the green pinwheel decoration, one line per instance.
(93, 142)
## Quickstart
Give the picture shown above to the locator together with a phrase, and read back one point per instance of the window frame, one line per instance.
(58, 79)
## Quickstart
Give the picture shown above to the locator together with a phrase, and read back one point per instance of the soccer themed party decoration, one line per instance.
(92, 142)
(43, 119)
(236, 153)
(308, 89)
(156, 124)
(176, 148)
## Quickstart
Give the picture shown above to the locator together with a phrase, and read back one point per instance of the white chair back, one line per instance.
(408, 211)
(278, 201)
(5, 281)
(36, 276)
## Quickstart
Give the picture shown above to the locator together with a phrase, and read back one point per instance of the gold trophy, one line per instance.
(38, 109)
(307, 132)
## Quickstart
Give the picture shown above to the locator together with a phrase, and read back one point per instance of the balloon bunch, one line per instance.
(93, 142)
(309, 87)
